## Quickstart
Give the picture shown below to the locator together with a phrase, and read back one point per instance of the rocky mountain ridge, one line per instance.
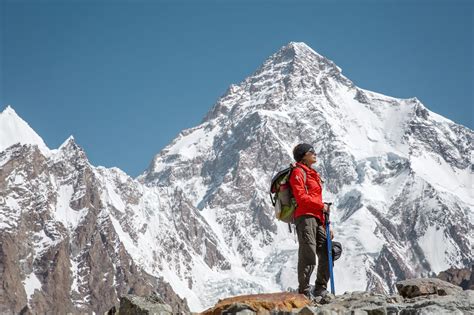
(60, 251)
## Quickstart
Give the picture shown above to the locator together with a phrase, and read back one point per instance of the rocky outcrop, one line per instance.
(418, 287)
(432, 296)
(372, 303)
(59, 249)
(461, 277)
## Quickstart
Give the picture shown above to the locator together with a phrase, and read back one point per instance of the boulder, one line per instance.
(132, 304)
(419, 287)
(260, 303)
(461, 303)
(239, 309)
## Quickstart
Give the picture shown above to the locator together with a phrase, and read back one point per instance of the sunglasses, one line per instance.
(312, 151)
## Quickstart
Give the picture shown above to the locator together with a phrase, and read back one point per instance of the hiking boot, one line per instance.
(320, 292)
(308, 293)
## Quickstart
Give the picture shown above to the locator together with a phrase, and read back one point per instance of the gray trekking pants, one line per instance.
(312, 242)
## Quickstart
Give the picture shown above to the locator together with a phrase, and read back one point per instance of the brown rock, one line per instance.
(262, 303)
(460, 277)
(417, 287)
(12, 295)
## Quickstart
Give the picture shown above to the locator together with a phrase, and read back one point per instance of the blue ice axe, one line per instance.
(329, 244)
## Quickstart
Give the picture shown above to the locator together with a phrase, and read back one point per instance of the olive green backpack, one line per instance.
(282, 196)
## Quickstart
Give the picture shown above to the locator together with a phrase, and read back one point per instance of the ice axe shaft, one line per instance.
(329, 245)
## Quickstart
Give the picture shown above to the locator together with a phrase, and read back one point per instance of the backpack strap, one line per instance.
(304, 176)
(305, 187)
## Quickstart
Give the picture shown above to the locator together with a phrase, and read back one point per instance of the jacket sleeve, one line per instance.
(308, 200)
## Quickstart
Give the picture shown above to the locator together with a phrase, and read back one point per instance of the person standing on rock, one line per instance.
(306, 187)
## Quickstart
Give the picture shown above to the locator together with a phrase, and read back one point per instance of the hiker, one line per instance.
(306, 187)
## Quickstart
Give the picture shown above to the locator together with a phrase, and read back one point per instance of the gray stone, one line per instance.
(435, 309)
(239, 309)
(375, 310)
(392, 310)
(394, 299)
(333, 308)
(308, 310)
(434, 304)
(132, 304)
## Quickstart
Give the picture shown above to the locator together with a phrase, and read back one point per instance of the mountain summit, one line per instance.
(198, 224)
(13, 130)
(397, 173)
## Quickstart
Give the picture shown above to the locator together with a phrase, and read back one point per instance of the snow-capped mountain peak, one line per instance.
(70, 140)
(293, 67)
(13, 129)
(9, 110)
(387, 162)
(302, 53)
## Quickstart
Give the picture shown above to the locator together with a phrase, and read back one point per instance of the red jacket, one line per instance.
(309, 202)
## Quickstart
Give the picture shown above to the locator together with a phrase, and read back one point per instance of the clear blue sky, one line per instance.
(124, 78)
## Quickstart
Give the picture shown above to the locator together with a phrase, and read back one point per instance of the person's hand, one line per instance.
(331, 232)
(326, 208)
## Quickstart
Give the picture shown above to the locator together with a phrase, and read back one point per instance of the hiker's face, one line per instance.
(310, 157)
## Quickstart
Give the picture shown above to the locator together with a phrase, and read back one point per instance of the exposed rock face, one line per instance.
(59, 249)
(460, 277)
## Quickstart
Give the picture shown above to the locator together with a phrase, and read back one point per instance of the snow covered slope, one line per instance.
(13, 130)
